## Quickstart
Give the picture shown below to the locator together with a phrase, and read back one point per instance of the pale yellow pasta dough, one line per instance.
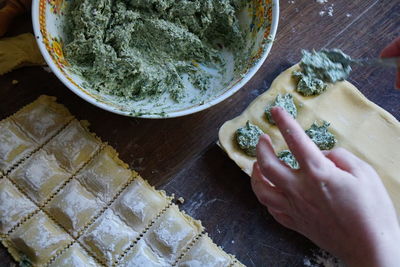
(142, 255)
(67, 199)
(74, 256)
(205, 253)
(38, 238)
(139, 204)
(19, 51)
(74, 206)
(108, 237)
(171, 233)
(359, 125)
(105, 175)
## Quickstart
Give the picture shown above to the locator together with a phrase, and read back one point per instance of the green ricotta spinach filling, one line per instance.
(288, 158)
(139, 49)
(247, 138)
(320, 68)
(321, 136)
(286, 102)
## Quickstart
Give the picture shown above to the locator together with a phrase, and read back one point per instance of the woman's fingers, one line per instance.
(347, 161)
(393, 50)
(306, 152)
(271, 167)
(266, 193)
(283, 218)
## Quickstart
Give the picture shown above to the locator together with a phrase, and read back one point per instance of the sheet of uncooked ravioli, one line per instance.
(359, 125)
(66, 199)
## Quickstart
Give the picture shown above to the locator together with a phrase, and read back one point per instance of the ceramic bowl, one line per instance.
(260, 22)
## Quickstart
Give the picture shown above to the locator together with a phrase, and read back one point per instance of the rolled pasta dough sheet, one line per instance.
(67, 199)
(359, 125)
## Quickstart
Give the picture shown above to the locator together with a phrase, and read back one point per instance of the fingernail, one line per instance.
(265, 138)
(277, 108)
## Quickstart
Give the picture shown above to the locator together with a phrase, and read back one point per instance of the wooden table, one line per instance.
(181, 156)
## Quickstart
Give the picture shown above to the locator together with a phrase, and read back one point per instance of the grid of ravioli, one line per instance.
(66, 199)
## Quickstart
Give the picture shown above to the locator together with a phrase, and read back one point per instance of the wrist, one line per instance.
(383, 251)
(388, 250)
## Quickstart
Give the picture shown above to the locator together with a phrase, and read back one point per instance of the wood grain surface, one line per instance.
(181, 156)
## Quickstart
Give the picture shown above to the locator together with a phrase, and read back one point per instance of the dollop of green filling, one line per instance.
(320, 135)
(286, 102)
(308, 85)
(142, 48)
(247, 138)
(287, 157)
(320, 68)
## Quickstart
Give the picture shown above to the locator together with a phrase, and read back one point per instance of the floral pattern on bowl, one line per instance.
(56, 6)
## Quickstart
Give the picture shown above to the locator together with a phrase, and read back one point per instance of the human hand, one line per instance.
(393, 50)
(335, 199)
(9, 10)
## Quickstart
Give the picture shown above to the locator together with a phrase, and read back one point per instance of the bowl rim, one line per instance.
(173, 114)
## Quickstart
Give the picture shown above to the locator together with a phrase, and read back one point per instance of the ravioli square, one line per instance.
(75, 256)
(142, 255)
(39, 239)
(139, 204)
(108, 237)
(74, 206)
(171, 233)
(40, 175)
(42, 118)
(14, 144)
(205, 253)
(13, 205)
(105, 175)
(73, 146)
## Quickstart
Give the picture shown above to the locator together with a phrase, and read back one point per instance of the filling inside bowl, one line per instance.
(153, 56)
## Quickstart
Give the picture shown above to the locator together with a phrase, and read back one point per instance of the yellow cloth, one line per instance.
(19, 51)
